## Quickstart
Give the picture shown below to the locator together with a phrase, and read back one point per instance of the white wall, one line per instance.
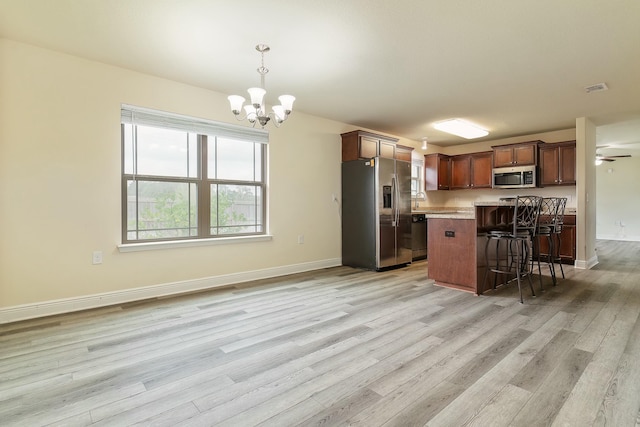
(618, 200)
(60, 188)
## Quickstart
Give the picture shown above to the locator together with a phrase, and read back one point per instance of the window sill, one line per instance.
(152, 246)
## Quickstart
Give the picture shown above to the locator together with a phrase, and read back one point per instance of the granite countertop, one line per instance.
(446, 212)
(467, 212)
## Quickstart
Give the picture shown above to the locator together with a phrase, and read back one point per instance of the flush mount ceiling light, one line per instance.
(255, 111)
(461, 128)
(424, 142)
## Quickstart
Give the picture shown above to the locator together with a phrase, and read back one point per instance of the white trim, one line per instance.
(586, 265)
(152, 246)
(48, 308)
(622, 237)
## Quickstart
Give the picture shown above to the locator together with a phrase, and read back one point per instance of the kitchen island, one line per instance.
(456, 243)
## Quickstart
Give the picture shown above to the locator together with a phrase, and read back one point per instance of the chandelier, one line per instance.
(255, 111)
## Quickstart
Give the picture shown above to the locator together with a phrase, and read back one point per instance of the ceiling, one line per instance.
(395, 66)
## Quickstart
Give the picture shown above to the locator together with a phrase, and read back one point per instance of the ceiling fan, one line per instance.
(603, 158)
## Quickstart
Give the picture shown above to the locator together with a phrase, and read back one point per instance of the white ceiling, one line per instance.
(396, 66)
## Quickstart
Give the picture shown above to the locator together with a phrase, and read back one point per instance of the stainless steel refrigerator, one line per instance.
(376, 213)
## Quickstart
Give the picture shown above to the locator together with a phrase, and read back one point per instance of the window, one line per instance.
(416, 179)
(187, 178)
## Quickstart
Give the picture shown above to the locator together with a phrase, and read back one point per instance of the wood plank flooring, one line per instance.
(340, 346)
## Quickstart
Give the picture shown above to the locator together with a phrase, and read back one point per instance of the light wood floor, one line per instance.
(340, 347)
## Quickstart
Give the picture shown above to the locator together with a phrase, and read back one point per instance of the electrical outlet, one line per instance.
(97, 257)
(300, 239)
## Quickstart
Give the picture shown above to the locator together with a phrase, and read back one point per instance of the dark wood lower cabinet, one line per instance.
(567, 241)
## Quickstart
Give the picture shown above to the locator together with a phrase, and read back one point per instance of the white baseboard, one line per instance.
(623, 237)
(48, 308)
(586, 265)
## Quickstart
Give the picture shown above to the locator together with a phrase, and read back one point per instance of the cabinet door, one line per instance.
(368, 147)
(524, 155)
(403, 153)
(387, 150)
(460, 172)
(436, 172)
(567, 164)
(481, 170)
(567, 249)
(558, 164)
(502, 157)
(568, 243)
(548, 166)
(444, 165)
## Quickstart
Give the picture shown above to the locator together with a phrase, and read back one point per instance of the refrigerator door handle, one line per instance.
(396, 200)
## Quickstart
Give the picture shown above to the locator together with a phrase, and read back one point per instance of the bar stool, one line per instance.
(513, 259)
(556, 230)
(545, 226)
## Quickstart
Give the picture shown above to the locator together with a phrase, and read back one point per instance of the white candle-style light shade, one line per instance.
(257, 94)
(278, 111)
(250, 111)
(287, 102)
(236, 102)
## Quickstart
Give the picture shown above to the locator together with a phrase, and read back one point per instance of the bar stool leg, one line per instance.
(552, 266)
(558, 257)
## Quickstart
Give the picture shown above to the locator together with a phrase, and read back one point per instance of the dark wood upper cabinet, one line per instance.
(520, 154)
(481, 165)
(403, 153)
(558, 164)
(460, 172)
(365, 145)
(470, 171)
(436, 172)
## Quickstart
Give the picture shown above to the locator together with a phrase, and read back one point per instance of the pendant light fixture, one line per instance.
(255, 111)
(424, 143)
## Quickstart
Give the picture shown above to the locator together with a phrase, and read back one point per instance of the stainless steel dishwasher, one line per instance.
(418, 236)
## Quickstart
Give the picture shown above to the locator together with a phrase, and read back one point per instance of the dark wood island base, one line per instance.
(456, 246)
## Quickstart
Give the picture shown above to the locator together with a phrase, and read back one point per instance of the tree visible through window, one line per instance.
(181, 184)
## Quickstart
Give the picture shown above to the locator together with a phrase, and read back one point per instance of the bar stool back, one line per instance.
(547, 220)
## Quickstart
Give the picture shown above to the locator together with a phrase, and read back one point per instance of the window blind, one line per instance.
(147, 117)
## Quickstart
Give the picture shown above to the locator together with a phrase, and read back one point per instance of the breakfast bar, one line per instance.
(456, 243)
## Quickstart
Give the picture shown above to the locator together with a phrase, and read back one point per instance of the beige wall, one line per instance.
(60, 185)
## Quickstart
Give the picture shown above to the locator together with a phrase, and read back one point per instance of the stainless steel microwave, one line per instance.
(514, 177)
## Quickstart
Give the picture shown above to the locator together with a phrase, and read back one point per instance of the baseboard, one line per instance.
(586, 265)
(48, 308)
(623, 238)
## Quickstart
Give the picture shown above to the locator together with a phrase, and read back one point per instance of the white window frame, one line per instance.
(134, 115)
